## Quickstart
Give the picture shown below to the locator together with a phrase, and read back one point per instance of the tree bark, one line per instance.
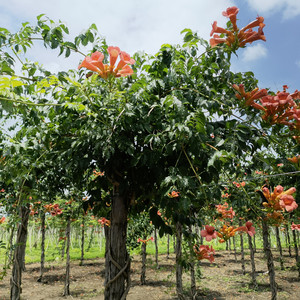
(192, 265)
(168, 246)
(82, 241)
(269, 256)
(117, 259)
(279, 247)
(179, 286)
(253, 270)
(234, 249)
(68, 235)
(43, 230)
(296, 252)
(91, 239)
(288, 238)
(242, 252)
(156, 248)
(19, 254)
(11, 238)
(144, 256)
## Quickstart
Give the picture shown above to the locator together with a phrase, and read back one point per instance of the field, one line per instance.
(222, 279)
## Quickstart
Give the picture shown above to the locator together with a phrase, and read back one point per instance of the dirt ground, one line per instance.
(222, 279)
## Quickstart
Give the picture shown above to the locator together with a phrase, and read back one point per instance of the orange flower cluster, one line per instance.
(145, 241)
(95, 63)
(2, 220)
(53, 209)
(226, 232)
(204, 252)
(173, 194)
(295, 159)
(239, 184)
(295, 226)
(278, 109)
(104, 222)
(234, 37)
(278, 201)
(224, 211)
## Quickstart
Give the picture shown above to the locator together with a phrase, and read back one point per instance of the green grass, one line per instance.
(53, 248)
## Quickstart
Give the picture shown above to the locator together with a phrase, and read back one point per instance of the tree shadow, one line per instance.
(153, 283)
(209, 295)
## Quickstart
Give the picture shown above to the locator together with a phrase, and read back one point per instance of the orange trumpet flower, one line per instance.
(95, 63)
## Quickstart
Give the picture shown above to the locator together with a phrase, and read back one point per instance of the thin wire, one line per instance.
(258, 177)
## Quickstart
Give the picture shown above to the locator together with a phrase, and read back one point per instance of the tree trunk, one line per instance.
(117, 261)
(43, 230)
(91, 239)
(242, 252)
(19, 254)
(168, 246)
(82, 241)
(144, 255)
(253, 270)
(179, 286)
(192, 265)
(11, 238)
(296, 251)
(279, 247)
(269, 256)
(63, 246)
(234, 249)
(288, 238)
(68, 241)
(174, 243)
(254, 244)
(156, 248)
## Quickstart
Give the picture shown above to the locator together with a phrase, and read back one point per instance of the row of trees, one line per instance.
(165, 132)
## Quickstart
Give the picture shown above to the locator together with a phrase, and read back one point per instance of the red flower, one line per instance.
(231, 13)
(288, 202)
(209, 233)
(249, 228)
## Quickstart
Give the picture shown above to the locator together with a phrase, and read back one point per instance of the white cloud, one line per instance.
(288, 8)
(252, 53)
(132, 25)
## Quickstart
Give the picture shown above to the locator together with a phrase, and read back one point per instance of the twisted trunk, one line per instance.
(117, 259)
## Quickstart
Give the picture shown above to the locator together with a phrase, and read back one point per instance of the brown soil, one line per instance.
(221, 280)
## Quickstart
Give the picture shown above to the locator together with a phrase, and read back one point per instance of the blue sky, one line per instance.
(135, 25)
